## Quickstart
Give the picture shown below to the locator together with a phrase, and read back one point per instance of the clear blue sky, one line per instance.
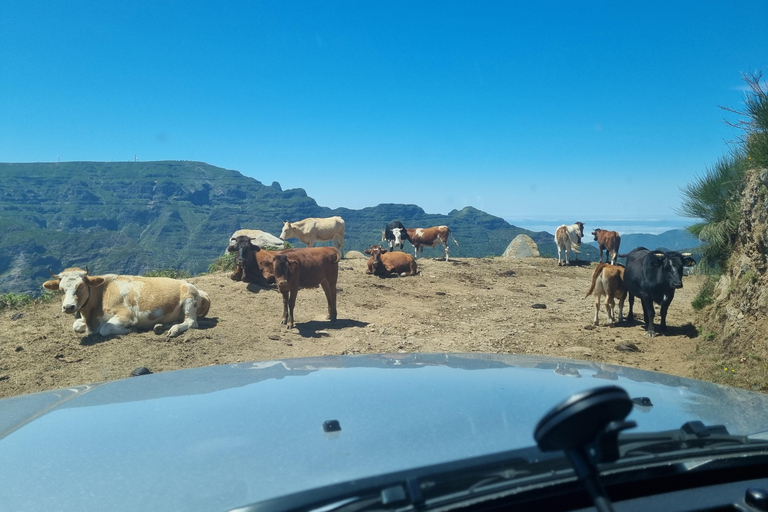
(569, 110)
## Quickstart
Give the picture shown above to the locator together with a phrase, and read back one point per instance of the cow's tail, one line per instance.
(596, 273)
(453, 238)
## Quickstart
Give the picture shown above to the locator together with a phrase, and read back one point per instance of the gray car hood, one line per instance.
(215, 438)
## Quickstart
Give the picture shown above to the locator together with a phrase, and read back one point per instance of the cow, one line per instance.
(383, 263)
(608, 241)
(429, 237)
(252, 263)
(117, 304)
(306, 268)
(312, 230)
(653, 276)
(608, 280)
(396, 234)
(568, 239)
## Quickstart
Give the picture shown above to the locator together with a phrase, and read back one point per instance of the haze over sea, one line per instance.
(623, 226)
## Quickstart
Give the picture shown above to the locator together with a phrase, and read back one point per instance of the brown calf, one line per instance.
(608, 280)
(383, 263)
(429, 237)
(306, 268)
(609, 241)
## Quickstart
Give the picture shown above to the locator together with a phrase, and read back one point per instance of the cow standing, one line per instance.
(383, 263)
(429, 237)
(396, 234)
(568, 239)
(608, 241)
(608, 280)
(653, 276)
(115, 304)
(306, 268)
(312, 230)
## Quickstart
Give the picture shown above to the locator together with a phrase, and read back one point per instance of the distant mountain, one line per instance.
(674, 239)
(132, 217)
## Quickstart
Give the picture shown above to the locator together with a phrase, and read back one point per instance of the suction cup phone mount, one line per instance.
(586, 427)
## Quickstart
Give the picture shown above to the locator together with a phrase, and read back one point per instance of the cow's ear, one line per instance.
(255, 248)
(367, 251)
(689, 262)
(94, 281)
(51, 285)
(231, 248)
(383, 250)
(293, 266)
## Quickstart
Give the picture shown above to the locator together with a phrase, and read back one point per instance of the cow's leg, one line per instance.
(613, 257)
(597, 307)
(609, 308)
(284, 318)
(291, 305)
(621, 309)
(330, 296)
(80, 326)
(119, 324)
(445, 248)
(664, 308)
(630, 316)
(190, 318)
(648, 314)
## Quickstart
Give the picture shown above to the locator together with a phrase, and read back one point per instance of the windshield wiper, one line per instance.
(692, 435)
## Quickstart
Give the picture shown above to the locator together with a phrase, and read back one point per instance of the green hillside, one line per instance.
(132, 217)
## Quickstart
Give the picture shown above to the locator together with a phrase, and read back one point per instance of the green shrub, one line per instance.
(14, 300)
(168, 272)
(706, 294)
(225, 263)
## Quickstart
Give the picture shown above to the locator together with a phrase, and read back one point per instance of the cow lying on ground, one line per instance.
(653, 276)
(312, 230)
(306, 268)
(429, 237)
(383, 263)
(608, 241)
(608, 280)
(396, 234)
(115, 304)
(568, 239)
(252, 263)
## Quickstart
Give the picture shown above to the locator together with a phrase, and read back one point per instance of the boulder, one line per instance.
(258, 237)
(522, 246)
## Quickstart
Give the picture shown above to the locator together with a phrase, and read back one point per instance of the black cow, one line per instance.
(396, 234)
(653, 276)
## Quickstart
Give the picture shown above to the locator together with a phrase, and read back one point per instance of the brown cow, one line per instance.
(429, 237)
(383, 263)
(608, 280)
(254, 264)
(609, 241)
(306, 268)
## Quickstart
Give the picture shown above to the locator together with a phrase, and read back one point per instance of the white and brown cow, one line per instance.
(608, 280)
(429, 237)
(608, 241)
(115, 304)
(312, 230)
(568, 239)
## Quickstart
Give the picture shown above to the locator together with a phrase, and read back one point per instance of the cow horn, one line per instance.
(659, 254)
(86, 270)
(51, 271)
(687, 254)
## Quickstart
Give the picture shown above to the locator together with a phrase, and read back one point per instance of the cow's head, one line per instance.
(75, 286)
(398, 234)
(284, 269)
(595, 233)
(243, 248)
(671, 264)
(287, 228)
(581, 230)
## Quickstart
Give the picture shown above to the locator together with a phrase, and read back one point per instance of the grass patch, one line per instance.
(225, 263)
(168, 272)
(706, 295)
(21, 300)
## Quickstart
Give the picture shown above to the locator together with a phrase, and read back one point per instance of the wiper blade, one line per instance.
(693, 434)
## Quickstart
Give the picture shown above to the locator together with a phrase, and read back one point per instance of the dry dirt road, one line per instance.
(464, 305)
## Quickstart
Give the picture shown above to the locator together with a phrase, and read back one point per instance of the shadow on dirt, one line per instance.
(203, 323)
(316, 328)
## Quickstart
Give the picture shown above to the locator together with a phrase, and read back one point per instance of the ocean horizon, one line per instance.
(623, 226)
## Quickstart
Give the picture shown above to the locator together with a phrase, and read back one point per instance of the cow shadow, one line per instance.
(688, 330)
(317, 328)
(579, 263)
(203, 323)
(256, 288)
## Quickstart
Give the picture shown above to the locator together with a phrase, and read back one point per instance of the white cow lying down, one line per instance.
(115, 304)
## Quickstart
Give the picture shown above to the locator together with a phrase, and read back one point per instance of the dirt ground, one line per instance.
(496, 305)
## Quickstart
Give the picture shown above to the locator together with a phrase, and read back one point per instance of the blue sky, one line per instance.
(546, 111)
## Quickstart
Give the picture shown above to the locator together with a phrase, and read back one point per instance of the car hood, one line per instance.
(220, 437)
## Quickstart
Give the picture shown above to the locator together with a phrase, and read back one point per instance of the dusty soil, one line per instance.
(464, 305)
